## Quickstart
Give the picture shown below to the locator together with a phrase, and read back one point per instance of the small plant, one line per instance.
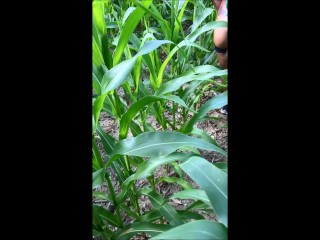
(163, 65)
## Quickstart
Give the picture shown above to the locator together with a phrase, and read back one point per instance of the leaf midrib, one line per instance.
(205, 175)
(156, 144)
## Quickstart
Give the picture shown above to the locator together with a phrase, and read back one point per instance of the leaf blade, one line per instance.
(213, 181)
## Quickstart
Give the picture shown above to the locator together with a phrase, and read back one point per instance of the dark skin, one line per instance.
(220, 35)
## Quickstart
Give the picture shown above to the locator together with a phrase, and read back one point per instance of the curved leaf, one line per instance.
(135, 228)
(200, 229)
(128, 28)
(194, 194)
(113, 78)
(170, 55)
(97, 57)
(183, 183)
(156, 144)
(187, 215)
(209, 26)
(105, 215)
(200, 17)
(126, 118)
(222, 165)
(98, 178)
(96, 156)
(213, 181)
(203, 135)
(214, 103)
(159, 203)
(176, 83)
(108, 142)
(150, 216)
(98, 16)
(147, 168)
(127, 13)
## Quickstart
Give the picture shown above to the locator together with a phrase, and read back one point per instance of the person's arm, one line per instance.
(220, 35)
(220, 38)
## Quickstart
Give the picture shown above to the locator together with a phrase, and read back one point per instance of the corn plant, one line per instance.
(146, 49)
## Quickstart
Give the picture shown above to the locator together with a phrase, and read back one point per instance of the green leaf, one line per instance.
(108, 142)
(97, 57)
(200, 229)
(130, 213)
(96, 84)
(101, 195)
(137, 227)
(198, 75)
(98, 16)
(195, 194)
(127, 13)
(112, 25)
(187, 215)
(183, 183)
(98, 178)
(147, 168)
(214, 103)
(117, 75)
(106, 54)
(156, 144)
(222, 165)
(126, 119)
(135, 129)
(199, 205)
(164, 24)
(128, 28)
(159, 203)
(177, 169)
(95, 33)
(200, 17)
(106, 215)
(170, 55)
(177, 23)
(203, 135)
(151, 46)
(213, 181)
(150, 216)
(98, 162)
(97, 106)
(209, 26)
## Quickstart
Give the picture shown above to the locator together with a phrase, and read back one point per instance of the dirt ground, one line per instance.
(216, 128)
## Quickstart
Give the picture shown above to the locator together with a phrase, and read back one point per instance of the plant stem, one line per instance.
(151, 181)
(114, 198)
(127, 164)
(136, 194)
(174, 115)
